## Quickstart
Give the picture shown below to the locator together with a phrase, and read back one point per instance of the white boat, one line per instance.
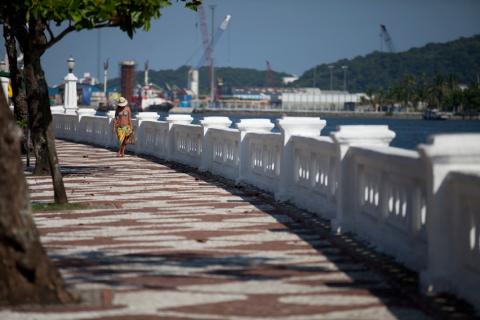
(433, 114)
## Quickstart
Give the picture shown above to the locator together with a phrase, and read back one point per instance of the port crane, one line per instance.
(209, 45)
(386, 39)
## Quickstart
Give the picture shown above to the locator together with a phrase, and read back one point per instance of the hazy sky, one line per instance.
(293, 35)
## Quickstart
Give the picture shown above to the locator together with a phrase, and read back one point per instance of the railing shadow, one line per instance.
(392, 283)
(366, 270)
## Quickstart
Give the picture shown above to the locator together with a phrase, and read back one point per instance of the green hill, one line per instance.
(377, 70)
(382, 70)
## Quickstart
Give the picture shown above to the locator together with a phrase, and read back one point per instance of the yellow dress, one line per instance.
(124, 132)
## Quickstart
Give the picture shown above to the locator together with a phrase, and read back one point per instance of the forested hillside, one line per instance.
(459, 59)
(381, 70)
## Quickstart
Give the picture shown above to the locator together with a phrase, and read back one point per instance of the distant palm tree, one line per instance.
(436, 92)
(381, 99)
(408, 90)
(369, 98)
(452, 82)
(419, 96)
(454, 96)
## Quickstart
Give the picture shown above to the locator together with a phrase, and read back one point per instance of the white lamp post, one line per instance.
(330, 67)
(70, 98)
(71, 64)
(344, 77)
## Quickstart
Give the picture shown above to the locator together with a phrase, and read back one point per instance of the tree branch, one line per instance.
(106, 24)
(49, 31)
(59, 37)
(70, 28)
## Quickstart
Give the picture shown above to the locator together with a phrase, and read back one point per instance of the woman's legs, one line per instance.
(119, 151)
(122, 148)
(122, 136)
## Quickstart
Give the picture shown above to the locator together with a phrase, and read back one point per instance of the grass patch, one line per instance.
(55, 206)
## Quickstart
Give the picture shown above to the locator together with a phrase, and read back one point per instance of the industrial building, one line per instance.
(315, 99)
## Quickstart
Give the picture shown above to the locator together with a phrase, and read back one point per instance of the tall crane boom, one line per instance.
(193, 77)
(218, 34)
(205, 39)
(385, 38)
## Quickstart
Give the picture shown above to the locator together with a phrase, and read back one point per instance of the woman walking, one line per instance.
(122, 125)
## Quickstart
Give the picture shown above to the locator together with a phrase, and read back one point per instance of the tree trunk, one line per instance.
(16, 80)
(39, 109)
(26, 273)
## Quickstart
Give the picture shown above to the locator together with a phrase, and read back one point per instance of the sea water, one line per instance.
(408, 132)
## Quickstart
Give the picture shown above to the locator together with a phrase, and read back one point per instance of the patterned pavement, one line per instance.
(159, 242)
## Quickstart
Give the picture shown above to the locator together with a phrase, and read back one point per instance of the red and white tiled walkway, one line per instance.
(163, 243)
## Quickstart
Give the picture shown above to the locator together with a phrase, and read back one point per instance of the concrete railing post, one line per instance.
(299, 126)
(208, 123)
(172, 120)
(246, 126)
(444, 154)
(85, 112)
(112, 136)
(345, 137)
(81, 125)
(140, 130)
(146, 116)
(70, 97)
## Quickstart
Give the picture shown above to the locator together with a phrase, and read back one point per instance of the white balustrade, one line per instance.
(95, 130)
(452, 156)
(388, 201)
(172, 120)
(346, 137)
(315, 181)
(263, 152)
(187, 144)
(145, 133)
(413, 205)
(290, 126)
(208, 124)
(463, 275)
(151, 138)
(247, 127)
(224, 156)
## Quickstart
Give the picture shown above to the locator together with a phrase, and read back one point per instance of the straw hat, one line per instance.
(122, 102)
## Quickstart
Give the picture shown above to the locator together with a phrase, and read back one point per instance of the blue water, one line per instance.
(409, 132)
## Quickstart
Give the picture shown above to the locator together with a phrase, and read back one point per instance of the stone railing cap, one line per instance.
(310, 126)
(147, 115)
(57, 109)
(363, 134)
(216, 122)
(300, 120)
(86, 111)
(179, 118)
(459, 145)
(255, 125)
